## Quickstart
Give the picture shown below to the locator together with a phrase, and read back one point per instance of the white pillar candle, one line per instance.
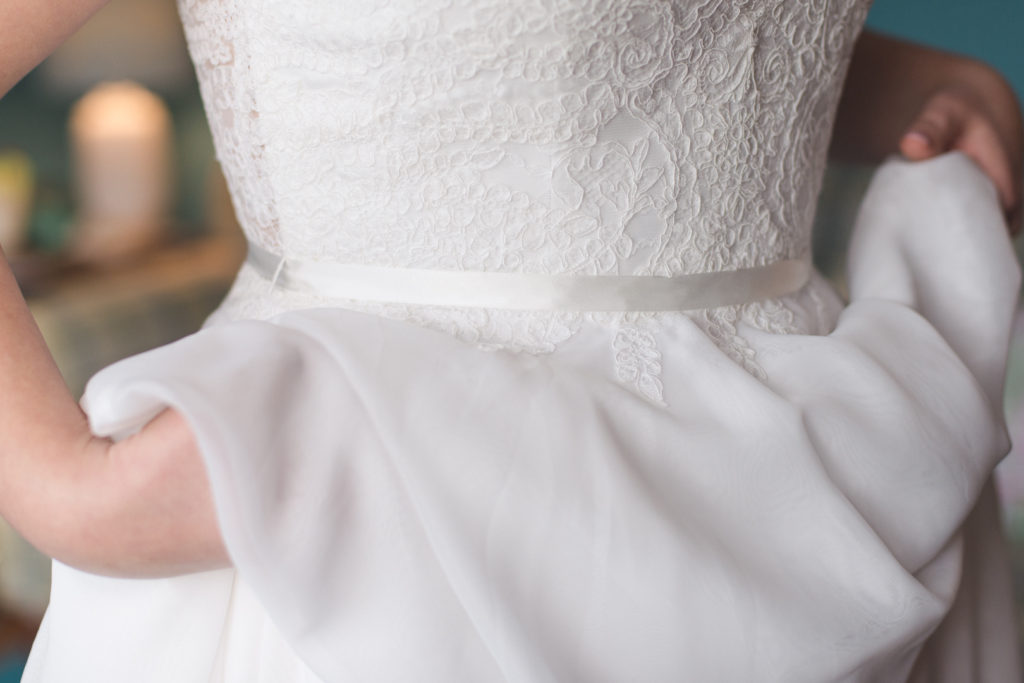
(121, 149)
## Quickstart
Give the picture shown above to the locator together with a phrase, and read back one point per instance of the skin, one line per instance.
(29, 31)
(143, 506)
(923, 102)
(139, 507)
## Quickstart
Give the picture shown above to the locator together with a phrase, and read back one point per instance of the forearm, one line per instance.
(887, 84)
(31, 29)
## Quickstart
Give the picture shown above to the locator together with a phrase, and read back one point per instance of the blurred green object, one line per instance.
(51, 222)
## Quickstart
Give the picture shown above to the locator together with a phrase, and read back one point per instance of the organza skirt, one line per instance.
(400, 505)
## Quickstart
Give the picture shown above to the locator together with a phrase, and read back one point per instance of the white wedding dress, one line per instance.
(448, 442)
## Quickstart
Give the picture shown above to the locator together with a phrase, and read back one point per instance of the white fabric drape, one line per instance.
(402, 506)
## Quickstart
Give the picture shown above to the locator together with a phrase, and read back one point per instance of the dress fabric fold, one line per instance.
(402, 505)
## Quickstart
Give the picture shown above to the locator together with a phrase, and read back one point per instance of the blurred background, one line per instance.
(118, 224)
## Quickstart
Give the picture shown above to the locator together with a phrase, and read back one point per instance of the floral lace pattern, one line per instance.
(625, 137)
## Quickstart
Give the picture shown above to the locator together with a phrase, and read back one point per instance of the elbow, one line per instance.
(138, 508)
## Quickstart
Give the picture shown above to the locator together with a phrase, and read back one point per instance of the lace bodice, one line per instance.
(623, 137)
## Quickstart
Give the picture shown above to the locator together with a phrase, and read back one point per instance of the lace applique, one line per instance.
(625, 137)
(638, 359)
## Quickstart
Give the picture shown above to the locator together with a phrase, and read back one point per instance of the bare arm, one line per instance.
(902, 97)
(31, 29)
(139, 507)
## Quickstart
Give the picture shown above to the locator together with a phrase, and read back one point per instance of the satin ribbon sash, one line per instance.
(529, 291)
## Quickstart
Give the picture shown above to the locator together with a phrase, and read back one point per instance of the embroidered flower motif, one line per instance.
(638, 360)
(643, 53)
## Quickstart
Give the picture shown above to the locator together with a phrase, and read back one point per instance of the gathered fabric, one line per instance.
(400, 504)
(527, 379)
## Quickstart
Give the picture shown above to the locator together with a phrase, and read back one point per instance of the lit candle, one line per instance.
(121, 145)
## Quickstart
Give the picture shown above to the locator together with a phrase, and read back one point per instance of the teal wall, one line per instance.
(992, 30)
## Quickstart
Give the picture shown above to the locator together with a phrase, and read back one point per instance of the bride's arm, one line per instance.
(138, 507)
(902, 97)
(31, 29)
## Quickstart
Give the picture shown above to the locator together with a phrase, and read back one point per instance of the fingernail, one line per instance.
(919, 137)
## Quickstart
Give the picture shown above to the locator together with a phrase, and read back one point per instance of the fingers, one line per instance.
(982, 144)
(953, 121)
(936, 128)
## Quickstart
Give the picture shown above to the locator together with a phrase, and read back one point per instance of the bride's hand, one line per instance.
(920, 101)
(978, 116)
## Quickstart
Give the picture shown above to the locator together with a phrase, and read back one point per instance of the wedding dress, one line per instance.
(528, 378)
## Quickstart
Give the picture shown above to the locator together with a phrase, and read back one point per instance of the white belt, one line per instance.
(530, 291)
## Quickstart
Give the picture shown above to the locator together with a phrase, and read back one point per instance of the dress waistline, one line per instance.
(529, 291)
